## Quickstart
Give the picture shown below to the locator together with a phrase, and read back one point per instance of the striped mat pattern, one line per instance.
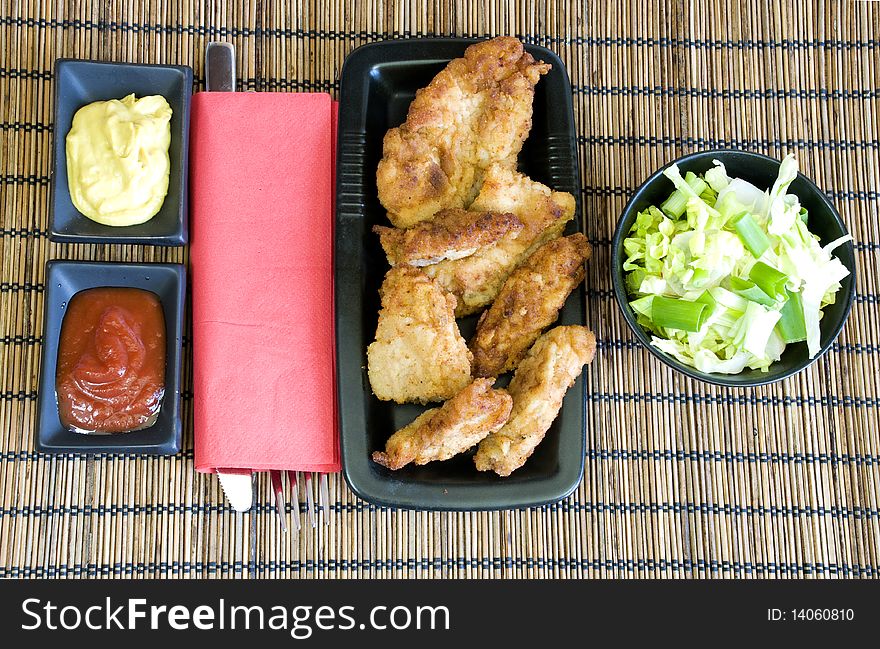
(683, 479)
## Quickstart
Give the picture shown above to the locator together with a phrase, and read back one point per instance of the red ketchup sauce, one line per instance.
(111, 361)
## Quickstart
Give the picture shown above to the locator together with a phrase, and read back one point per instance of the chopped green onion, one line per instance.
(791, 325)
(751, 234)
(750, 291)
(696, 183)
(708, 196)
(769, 280)
(707, 299)
(671, 313)
(676, 204)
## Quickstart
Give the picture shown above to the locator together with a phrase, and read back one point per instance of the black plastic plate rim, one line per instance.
(352, 385)
(145, 233)
(164, 437)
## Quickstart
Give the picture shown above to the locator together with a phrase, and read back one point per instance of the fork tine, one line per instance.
(325, 497)
(294, 492)
(310, 498)
(278, 491)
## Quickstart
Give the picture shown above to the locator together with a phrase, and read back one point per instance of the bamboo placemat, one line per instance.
(682, 479)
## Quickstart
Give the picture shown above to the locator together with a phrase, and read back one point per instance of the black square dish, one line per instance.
(378, 82)
(63, 280)
(78, 83)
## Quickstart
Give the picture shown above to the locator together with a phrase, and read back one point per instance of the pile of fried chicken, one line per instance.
(470, 232)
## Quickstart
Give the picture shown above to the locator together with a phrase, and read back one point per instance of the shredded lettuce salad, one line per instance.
(725, 275)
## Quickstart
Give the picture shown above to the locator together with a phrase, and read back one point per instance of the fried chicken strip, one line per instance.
(476, 280)
(440, 433)
(476, 111)
(419, 354)
(452, 234)
(528, 303)
(538, 386)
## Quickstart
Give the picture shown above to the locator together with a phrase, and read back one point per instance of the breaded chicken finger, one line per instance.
(452, 234)
(454, 427)
(528, 303)
(476, 280)
(419, 354)
(475, 112)
(538, 387)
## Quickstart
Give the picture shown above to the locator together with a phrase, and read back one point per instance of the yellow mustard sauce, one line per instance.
(117, 159)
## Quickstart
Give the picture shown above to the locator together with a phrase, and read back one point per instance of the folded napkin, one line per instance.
(261, 184)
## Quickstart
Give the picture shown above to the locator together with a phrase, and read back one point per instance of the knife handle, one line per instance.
(220, 67)
(220, 77)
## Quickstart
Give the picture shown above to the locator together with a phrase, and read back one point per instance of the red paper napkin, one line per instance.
(261, 216)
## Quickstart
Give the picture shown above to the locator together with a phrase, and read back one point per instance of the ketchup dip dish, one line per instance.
(160, 435)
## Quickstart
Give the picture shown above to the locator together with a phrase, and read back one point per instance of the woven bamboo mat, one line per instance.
(682, 479)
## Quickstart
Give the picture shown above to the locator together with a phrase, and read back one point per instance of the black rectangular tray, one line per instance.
(378, 82)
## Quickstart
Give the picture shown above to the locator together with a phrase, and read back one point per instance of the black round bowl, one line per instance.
(761, 171)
